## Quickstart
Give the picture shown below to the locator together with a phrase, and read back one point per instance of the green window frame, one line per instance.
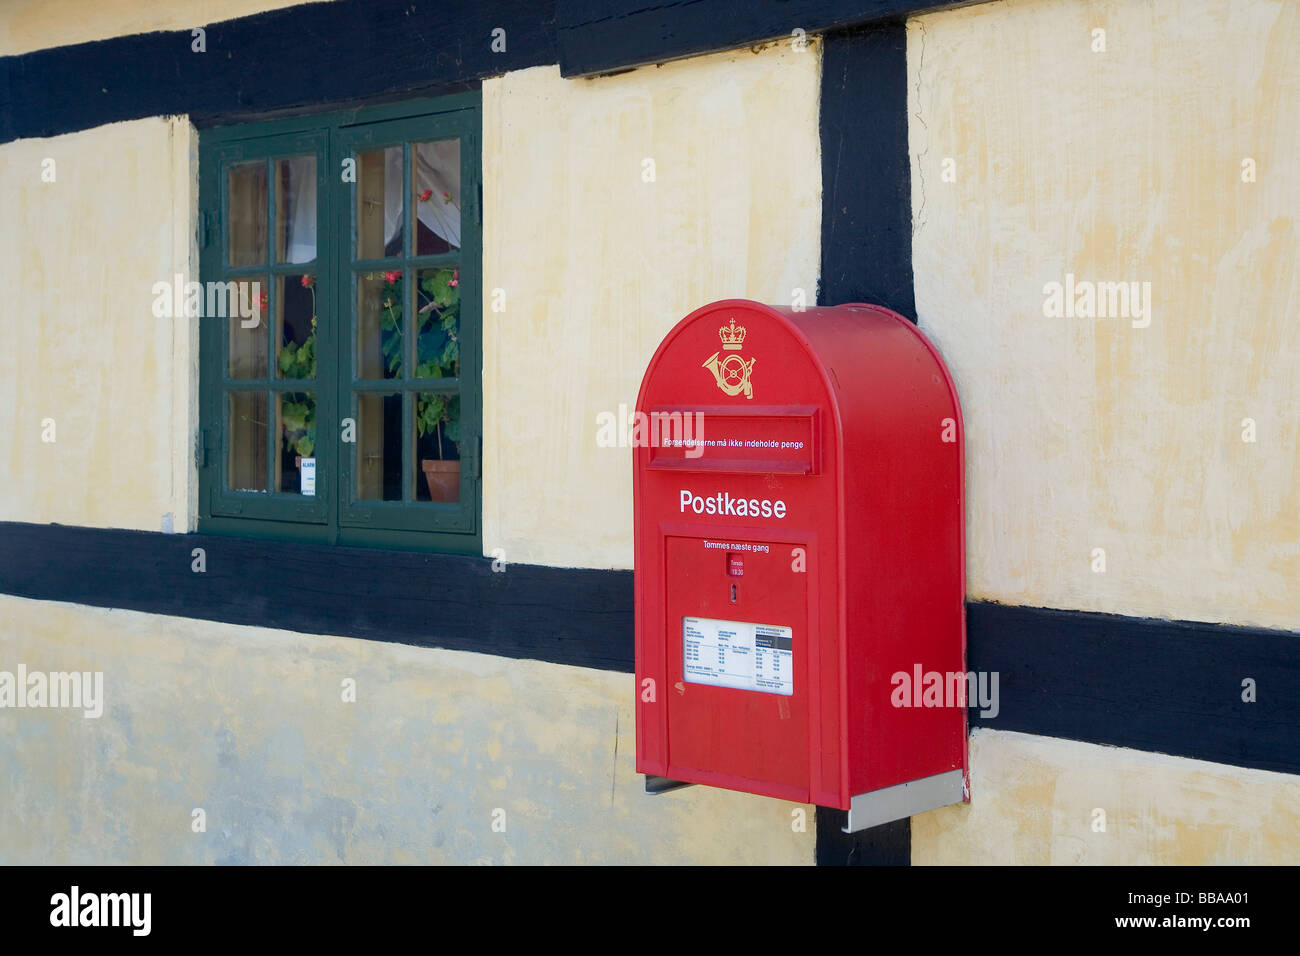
(396, 327)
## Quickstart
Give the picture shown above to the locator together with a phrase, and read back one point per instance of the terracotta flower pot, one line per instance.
(443, 478)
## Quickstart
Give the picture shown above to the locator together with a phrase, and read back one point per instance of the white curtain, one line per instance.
(300, 236)
(437, 168)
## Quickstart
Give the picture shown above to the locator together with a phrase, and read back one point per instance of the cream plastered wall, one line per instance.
(250, 725)
(596, 264)
(1122, 165)
(27, 25)
(1039, 800)
(85, 361)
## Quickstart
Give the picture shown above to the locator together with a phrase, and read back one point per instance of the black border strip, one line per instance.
(296, 58)
(564, 616)
(1173, 687)
(866, 236)
(601, 36)
(866, 242)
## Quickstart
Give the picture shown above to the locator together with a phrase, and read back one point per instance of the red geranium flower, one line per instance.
(308, 281)
(424, 196)
(455, 279)
(264, 300)
(392, 276)
(446, 197)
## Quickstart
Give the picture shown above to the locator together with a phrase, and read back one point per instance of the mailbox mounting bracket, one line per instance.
(655, 784)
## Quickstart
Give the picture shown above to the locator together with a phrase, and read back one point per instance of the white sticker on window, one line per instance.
(738, 654)
(309, 476)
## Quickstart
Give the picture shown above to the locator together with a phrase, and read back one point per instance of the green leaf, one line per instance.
(439, 289)
(293, 417)
(391, 347)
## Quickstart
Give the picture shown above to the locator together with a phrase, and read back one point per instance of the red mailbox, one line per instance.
(800, 561)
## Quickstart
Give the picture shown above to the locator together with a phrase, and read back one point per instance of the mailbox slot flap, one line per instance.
(769, 439)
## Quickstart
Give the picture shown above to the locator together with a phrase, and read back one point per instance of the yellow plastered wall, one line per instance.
(27, 25)
(86, 363)
(1122, 165)
(596, 263)
(251, 726)
(1040, 800)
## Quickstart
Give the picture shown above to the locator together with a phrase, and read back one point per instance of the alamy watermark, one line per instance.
(1085, 299)
(626, 429)
(951, 689)
(75, 908)
(82, 690)
(196, 300)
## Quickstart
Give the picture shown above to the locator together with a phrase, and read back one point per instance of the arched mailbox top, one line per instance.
(864, 367)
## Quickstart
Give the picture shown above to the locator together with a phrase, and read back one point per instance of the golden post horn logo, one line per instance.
(732, 373)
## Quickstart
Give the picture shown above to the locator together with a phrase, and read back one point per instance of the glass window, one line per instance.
(340, 383)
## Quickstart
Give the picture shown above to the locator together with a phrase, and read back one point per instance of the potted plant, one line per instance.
(438, 356)
(437, 417)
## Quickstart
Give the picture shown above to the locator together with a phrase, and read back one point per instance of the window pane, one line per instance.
(296, 412)
(380, 326)
(437, 438)
(247, 310)
(379, 203)
(246, 217)
(246, 432)
(379, 447)
(437, 196)
(437, 307)
(295, 209)
(295, 326)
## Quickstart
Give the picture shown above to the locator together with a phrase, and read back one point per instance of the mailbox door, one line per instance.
(738, 644)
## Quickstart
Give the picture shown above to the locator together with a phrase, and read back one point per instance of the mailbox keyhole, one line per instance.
(733, 594)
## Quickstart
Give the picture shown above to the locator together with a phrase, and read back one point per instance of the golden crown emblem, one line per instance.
(733, 336)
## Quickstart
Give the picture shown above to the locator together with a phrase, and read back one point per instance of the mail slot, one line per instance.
(798, 488)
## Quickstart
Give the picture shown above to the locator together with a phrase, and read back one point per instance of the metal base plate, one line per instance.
(868, 810)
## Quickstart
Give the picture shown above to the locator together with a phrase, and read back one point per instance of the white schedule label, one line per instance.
(738, 654)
